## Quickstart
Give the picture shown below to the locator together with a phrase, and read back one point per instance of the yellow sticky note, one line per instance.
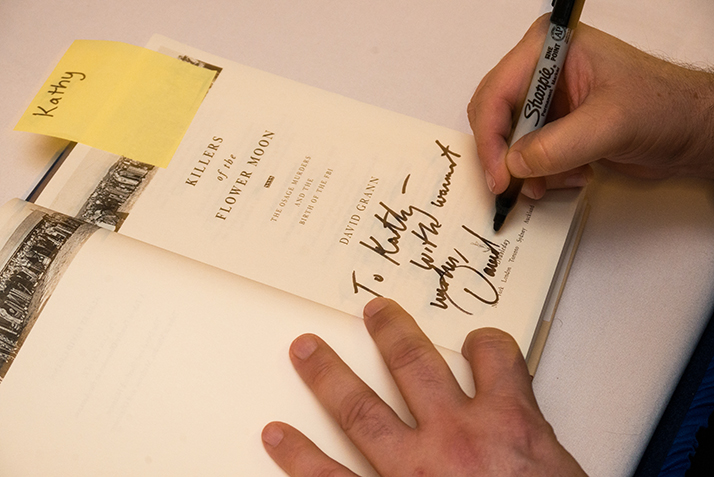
(120, 98)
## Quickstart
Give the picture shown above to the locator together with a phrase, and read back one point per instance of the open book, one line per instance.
(145, 314)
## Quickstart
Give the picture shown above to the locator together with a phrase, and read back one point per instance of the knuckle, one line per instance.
(525, 429)
(546, 157)
(490, 338)
(321, 372)
(416, 359)
(489, 343)
(483, 100)
(472, 109)
(360, 414)
(333, 470)
(408, 352)
(475, 107)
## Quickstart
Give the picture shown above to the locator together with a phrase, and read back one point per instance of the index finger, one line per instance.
(420, 372)
(368, 421)
(496, 100)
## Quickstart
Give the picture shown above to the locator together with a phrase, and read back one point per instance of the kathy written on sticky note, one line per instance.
(120, 98)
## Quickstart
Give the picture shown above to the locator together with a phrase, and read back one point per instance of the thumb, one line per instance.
(593, 131)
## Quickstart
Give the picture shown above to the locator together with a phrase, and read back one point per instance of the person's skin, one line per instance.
(498, 432)
(614, 103)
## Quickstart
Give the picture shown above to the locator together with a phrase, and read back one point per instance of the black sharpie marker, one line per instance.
(563, 19)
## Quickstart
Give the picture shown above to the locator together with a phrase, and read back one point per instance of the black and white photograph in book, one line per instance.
(31, 264)
(109, 204)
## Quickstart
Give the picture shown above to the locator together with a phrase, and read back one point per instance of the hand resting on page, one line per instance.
(498, 432)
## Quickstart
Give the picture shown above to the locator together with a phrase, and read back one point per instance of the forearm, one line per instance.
(701, 150)
(676, 130)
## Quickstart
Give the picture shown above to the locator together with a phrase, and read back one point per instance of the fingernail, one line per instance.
(375, 306)
(490, 181)
(272, 435)
(304, 346)
(517, 166)
(576, 180)
(535, 189)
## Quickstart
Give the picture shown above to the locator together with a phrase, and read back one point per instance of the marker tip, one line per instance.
(498, 222)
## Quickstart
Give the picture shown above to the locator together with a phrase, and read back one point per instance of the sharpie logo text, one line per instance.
(538, 103)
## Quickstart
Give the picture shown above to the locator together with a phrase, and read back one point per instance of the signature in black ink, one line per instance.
(459, 269)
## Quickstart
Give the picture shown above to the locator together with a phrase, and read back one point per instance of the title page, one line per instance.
(333, 200)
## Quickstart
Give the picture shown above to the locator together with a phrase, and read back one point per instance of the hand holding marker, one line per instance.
(563, 19)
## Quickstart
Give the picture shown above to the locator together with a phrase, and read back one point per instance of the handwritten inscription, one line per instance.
(474, 283)
(396, 223)
(58, 91)
(463, 279)
(460, 280)
(444, 191)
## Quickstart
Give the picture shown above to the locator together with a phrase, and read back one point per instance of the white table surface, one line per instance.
(640, 289)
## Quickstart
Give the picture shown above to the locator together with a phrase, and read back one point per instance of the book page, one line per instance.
(142, 362)
(332, 200)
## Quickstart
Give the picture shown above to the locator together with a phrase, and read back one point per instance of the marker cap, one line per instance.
(566, 13)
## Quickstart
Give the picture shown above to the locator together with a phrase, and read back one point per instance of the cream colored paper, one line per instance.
(144, 362)
(335, 201)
